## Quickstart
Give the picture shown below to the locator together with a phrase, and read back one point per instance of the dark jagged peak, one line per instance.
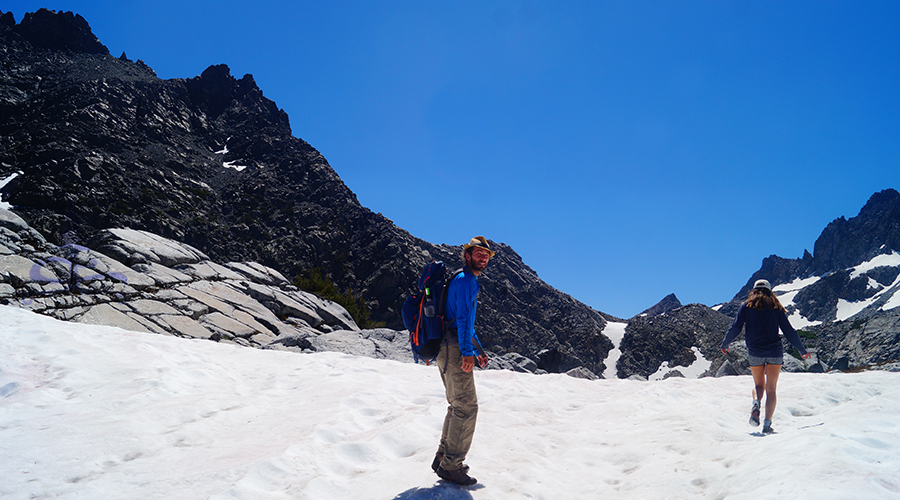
(847, 242)
(213, 90)
(216, 88)
(844, 243)
(49, 29)
(217, 93)
(778, 270)
(141, 64)
(668, 303)
(7, 21)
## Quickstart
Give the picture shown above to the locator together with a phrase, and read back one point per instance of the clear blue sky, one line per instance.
(626, 150)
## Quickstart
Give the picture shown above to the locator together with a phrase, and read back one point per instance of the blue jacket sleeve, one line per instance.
(789, 332)
(466, 304)
(735, 329)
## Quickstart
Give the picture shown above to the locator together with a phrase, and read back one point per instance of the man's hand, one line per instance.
(468, 362)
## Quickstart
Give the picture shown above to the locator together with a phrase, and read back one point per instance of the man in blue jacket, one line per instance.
(456, 362)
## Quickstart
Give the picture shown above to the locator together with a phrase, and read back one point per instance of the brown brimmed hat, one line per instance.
(479, 242)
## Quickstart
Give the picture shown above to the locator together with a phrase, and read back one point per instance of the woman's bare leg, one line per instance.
(772, 372)
(759, 381)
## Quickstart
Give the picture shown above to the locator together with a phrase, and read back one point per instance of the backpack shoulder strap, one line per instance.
(447, 289)
(450, 280)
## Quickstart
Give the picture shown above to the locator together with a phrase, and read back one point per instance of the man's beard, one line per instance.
(474, 265)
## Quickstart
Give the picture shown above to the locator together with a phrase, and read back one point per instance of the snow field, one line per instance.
(98, 412)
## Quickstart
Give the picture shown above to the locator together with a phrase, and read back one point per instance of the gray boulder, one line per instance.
(134, 246)
(378, 343)
(513, 361)
(582, 372)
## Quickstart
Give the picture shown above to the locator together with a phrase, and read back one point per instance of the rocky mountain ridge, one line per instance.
(100, 142)
(845, 297)
(853, 274)
(91, 144)
(842, 245)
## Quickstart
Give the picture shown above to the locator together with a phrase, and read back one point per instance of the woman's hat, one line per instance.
(762, 284)
(479, 242)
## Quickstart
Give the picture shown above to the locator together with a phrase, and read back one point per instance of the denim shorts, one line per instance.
(755, 361)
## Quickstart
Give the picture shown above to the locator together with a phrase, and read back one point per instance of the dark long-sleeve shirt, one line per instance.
(761, 333)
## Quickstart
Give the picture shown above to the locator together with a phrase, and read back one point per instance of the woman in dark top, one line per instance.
(763, 315)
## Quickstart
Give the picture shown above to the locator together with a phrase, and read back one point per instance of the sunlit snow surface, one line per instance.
(229, 164)
(846, 310)
(100, 413)
(883, 260)
(615, 332)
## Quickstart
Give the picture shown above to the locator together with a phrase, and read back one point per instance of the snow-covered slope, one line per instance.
(98, 412)
(877, 288)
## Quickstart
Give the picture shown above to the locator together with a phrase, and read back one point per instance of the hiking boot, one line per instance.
(459, 476)
(754, 414)
(436, 463)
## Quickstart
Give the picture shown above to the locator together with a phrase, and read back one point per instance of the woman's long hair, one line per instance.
(763, 298)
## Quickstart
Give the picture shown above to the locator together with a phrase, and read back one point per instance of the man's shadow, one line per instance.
(440, 491)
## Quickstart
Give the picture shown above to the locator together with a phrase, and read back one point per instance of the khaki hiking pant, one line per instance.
(459, 423)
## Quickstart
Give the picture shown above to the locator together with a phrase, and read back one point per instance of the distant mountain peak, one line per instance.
(853, 271)
(668, 303)
(847, 242)
(844, 243)
(49, 29)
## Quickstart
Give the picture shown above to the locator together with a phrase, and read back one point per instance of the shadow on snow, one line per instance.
(440, 491)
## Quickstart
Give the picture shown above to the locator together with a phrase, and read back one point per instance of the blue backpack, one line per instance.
(423, 313)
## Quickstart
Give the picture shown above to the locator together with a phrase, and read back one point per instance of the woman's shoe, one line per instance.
(754, 414)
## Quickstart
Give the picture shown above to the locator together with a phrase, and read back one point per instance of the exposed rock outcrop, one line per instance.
(651, 340)
(863, 341)
(142, 282)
